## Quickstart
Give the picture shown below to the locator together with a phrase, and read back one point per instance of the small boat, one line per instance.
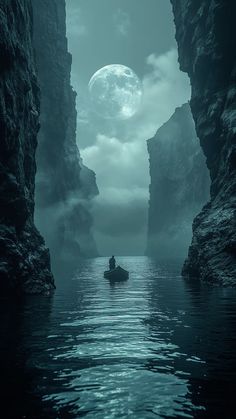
(117, 274)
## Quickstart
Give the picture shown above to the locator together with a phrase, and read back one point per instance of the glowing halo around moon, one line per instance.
(115, 92)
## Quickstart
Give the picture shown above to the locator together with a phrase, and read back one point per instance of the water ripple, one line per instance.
(151, 347)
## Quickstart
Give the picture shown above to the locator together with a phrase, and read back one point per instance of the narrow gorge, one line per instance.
(206, 37)
(93, 335)
(37, 106)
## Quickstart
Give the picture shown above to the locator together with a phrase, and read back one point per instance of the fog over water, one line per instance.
(142, 38)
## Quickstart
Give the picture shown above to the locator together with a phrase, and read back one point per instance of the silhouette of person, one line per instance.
(112, 263)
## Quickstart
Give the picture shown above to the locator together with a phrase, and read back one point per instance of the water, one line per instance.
(152, 347)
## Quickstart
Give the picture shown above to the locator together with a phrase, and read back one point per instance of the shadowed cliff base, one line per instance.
(205, 32)
(24, 260)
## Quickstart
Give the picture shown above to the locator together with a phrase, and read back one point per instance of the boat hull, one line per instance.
(117, 274)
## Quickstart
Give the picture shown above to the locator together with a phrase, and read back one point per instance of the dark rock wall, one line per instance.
(179, 185)
(63, 194)
(24, 260)
(206, 36)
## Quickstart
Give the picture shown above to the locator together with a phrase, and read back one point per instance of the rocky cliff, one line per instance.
(64, 187)
(206, 36)
(179, 185)
(24, 260)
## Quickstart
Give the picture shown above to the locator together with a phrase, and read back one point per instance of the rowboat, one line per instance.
(117, 274)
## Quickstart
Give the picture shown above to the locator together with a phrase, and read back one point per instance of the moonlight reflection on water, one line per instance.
(151, 347)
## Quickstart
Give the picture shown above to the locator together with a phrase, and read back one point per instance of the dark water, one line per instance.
(152, 347)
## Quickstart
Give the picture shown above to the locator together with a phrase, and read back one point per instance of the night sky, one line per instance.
(140, 35)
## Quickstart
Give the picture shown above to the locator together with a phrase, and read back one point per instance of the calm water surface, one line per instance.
(152, 347)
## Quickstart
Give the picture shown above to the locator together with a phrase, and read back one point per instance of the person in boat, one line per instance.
(112, 263)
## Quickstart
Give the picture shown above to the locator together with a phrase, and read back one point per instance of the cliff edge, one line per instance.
(64, 187)
(179, 185)
(206, 37)
(24, 260)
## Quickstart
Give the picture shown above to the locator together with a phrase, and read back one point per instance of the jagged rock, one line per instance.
(64, 187)
(24, 260)
(206, 36)
(88, 181)
(179, 185)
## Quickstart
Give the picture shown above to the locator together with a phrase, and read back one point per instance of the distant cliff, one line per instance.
(64, 187)
(179, 185)
(24, 260)
(206, 36)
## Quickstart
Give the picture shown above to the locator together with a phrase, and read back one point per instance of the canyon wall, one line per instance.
(206, 36)
(24, 260)
(64, 186)
(179, 185)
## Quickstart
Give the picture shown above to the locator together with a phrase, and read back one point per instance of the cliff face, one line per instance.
(24, 260)
(179, 185)
(206, 36)
(63, 194)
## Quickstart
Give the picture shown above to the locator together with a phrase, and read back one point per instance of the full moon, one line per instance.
(115, 92)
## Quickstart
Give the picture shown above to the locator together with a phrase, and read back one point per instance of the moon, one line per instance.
(115, 92)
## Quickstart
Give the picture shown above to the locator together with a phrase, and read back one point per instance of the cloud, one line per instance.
(115, 162)
(165, 88)
(120, 211)
(120, 159)
(122, 23)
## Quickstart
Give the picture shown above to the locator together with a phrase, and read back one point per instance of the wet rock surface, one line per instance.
(206, 36)
(64, 186)
(179, 185)
(24, 260)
